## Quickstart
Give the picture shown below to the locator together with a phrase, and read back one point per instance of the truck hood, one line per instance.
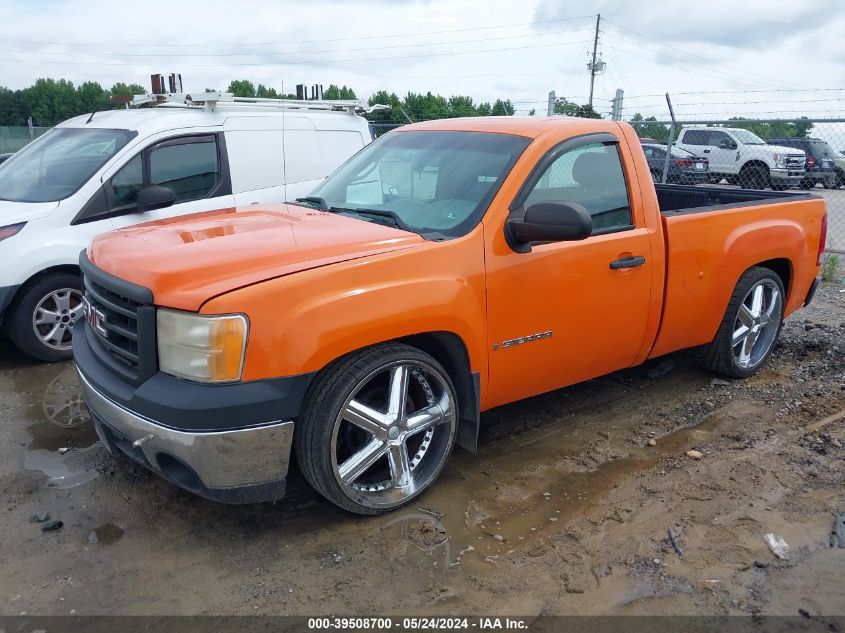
(187, 260)
(783, 149)
(14, 212)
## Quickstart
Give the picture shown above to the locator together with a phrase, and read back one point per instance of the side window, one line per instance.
(127, 182)
(190, 169)
(695, 137)
(717, 138)
(592, 176)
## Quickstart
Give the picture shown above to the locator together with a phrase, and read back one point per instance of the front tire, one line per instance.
(377, 428)
(43, 315)
(750, 327)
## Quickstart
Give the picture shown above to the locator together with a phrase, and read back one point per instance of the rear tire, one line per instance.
(377, 428)
(750, 326)
(43, 314)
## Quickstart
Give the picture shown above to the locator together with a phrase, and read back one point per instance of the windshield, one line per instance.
(747, 138)
(427, 182)
(58, 163)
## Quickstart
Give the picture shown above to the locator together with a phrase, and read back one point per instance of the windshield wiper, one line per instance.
(321, 203)
(395, 220)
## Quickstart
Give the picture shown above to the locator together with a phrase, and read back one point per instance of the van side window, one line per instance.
(188, 169)
(592, 176)
(127, 182)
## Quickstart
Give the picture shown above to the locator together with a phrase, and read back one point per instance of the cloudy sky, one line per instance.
(719, 57)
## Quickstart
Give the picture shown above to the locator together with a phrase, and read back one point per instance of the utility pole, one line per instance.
(593, 63)
(552, 98)
(616, 113)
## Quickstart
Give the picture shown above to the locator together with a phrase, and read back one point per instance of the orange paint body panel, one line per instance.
(316, 286)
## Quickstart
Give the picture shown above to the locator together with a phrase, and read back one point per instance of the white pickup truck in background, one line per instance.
(112, 169)
(743, 158)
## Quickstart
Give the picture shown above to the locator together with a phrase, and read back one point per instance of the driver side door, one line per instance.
(565, 312)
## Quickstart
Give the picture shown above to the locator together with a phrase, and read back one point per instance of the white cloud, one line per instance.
(719, 45)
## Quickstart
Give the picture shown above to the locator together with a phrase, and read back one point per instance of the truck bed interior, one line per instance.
(680, 199)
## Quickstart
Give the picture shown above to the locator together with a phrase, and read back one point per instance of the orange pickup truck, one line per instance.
(449, 267)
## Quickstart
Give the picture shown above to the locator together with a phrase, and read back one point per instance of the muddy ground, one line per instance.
(565, 510)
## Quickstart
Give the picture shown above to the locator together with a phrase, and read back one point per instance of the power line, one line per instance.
(720, 103)
(711, 76)
(737, 92)
(335, 39)
(710, 71)
(309, 52)
(708, 60)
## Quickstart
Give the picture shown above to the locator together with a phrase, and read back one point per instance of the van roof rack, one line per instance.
(212, 100)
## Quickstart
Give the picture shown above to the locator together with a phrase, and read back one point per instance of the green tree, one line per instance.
(651, 130)
(799, 129)
(264, 92)
(502, 108)
(121, 88)
(242, 88)
(335, 92)
(570, 108)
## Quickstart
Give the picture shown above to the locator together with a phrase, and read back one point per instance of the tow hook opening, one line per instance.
(178, 471)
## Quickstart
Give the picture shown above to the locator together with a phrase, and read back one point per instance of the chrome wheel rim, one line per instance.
(393, 434)
(757, 323)
(54, 316)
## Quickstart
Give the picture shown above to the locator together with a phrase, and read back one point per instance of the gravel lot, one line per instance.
(566, 509)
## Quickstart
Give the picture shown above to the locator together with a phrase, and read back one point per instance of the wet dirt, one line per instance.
(567, 507)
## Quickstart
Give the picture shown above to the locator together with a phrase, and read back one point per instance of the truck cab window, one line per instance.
(190, 170)
(592, 176)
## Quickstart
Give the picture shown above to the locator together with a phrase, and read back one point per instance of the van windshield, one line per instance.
(423, 181)
(58, 163)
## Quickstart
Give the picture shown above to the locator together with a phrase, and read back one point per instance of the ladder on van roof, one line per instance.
(212, 100)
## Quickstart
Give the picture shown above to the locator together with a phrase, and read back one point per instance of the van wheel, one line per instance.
(42, 318)
(754, 177)
(377, 428)
(750, 326)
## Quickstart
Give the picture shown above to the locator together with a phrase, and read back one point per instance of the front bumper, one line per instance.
(248, 465)
(793, 176)
(7, 293)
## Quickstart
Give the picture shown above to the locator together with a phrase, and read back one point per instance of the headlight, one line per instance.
(201, 348)
(780, 160)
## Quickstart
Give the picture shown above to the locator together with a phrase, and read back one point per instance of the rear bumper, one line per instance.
(239, 466)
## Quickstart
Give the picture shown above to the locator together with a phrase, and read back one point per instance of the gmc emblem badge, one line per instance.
(94, 317)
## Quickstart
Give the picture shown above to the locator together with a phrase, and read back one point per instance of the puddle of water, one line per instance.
(518, 496)
(105, 534)
(62, 433)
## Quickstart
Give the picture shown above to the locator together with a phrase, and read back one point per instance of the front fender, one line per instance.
(302, 322)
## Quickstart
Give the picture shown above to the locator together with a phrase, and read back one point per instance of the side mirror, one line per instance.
(727, 145)
(154, 197)
(549, 222)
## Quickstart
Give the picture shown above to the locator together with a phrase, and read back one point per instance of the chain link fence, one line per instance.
(13, 138)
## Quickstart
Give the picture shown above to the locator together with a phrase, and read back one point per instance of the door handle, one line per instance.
(627, 262)
(706, 151)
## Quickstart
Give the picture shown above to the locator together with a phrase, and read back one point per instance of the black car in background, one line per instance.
(820, 164)
(685, 168)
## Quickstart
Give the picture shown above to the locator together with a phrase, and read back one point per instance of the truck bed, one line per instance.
(680, 199)
(706, 253)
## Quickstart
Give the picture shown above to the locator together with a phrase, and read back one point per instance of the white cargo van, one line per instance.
(99, 172)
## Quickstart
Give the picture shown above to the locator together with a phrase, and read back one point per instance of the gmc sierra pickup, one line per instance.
(449, 267)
